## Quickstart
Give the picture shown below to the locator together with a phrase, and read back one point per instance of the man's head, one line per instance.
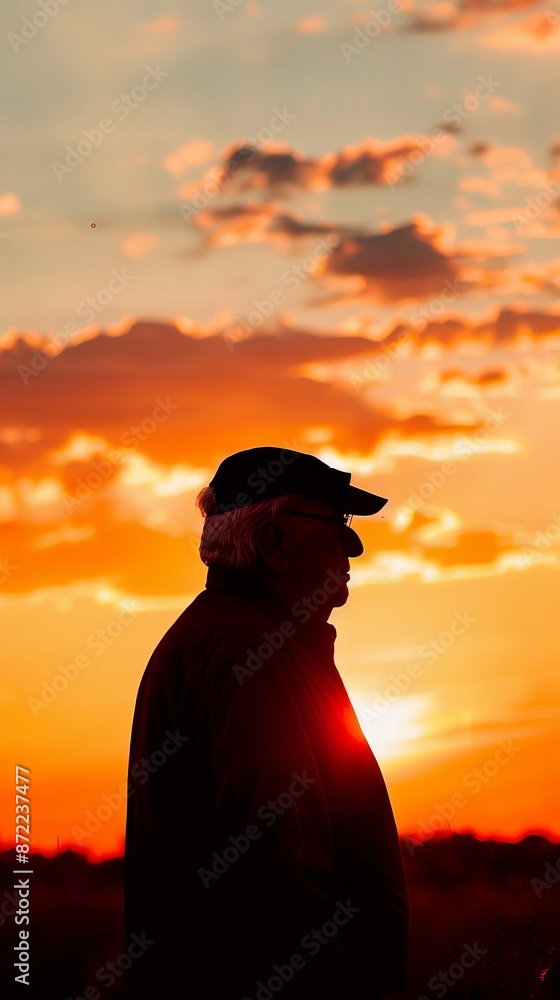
(265, 473)
(282, 515)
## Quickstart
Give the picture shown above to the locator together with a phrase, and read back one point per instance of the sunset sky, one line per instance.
(331, 227)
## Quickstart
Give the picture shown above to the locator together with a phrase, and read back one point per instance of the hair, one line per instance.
(229, 539)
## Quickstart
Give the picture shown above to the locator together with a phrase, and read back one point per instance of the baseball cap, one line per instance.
(259, 474)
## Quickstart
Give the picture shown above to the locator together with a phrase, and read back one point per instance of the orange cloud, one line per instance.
(96, 546)
(258, 223)
(143, 502)
(278, 165)
(446, 15)
(537, 35)
(311, 25)
(458, 383)
(164, 25)
(496, 6)
(412, 262)
(489, 216)
(437, 547)
(138, 245)
(503, 328)
(10, 204)
(489, 376)
(122, 554)
(194, 153)
(498, 103)
(480, 185)
(166, 365)
(512, 165)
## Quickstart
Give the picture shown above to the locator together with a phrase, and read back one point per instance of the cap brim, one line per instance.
(358, 501)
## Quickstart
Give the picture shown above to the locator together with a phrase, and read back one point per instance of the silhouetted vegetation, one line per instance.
(468, 897)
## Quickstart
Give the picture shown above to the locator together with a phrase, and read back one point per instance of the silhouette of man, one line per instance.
(261, 850)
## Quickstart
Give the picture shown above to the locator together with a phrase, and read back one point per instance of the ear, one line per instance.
(272, 548)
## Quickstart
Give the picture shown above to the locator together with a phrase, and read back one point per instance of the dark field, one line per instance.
(483, 927)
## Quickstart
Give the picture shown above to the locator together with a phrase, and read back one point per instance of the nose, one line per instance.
(351, 543)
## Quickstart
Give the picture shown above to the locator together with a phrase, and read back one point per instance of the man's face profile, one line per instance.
(317, 557)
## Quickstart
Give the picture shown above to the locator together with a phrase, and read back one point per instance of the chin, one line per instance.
(341, 597)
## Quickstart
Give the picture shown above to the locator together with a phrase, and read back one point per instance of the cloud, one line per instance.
(263, 222)
(143, 513)
(278, 165)
(367, 260)
(531, 191)
(141, 475)
(489, 376)
(312, 25)
(488, 216)
(113, 497)
(485, 7)
(138, 245)
(10, 204)
(411, 262)
(503, 327)
(407, 263)
(122, 555)
(503, 104)
(447, 15)
(108, 388)
(166, 25)
(458, 383)
(194, 153)
(96, 546)
(511, 165)
(536, 35)
(438, 547)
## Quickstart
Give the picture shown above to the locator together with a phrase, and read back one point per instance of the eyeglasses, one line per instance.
(342, 519)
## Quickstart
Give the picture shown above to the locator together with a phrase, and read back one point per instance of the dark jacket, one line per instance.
(261, 849)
